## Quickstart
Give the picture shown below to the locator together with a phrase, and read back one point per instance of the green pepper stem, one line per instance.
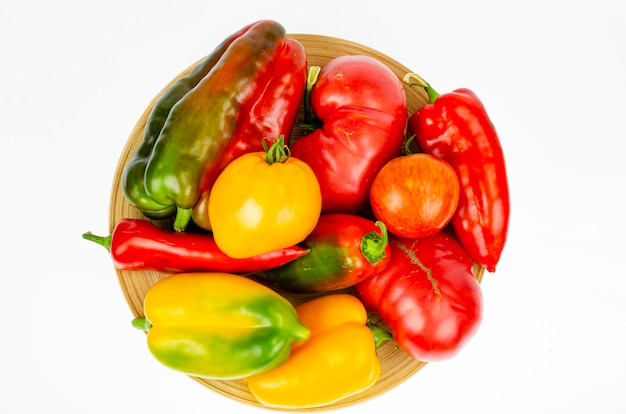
(407, 145)
(413, 79)
(380, 335)
(373, 245)
(142, 324)
(183, 216)
(278, 152)
(312, 74)
(104, 241)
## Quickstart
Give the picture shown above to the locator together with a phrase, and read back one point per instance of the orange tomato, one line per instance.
(415, 195)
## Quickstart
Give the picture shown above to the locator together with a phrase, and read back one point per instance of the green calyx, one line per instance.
(373, 245)
(278, 152)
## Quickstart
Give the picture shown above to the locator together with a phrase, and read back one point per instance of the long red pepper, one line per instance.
(456, 128)
(137, 244)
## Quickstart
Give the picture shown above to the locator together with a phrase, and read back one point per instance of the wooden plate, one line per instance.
(397, 366)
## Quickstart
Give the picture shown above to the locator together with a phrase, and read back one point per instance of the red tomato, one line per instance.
(361, 104)
(415, 195)
(427, 295)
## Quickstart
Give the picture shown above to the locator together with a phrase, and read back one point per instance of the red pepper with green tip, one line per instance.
(137, 244)
(271, 115)
(173, 171)
(345, 249)
(133, 184)
(456, 128)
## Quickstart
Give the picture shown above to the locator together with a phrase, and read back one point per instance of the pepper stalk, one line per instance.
(311, 79)
(373, 244)
(419, 81)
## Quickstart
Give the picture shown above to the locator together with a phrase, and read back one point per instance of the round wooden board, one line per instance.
(397, 366)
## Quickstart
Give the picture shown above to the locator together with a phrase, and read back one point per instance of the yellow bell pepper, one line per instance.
(337, 360)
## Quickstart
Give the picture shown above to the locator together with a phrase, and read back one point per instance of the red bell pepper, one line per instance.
(456, 128)
(140, 245)
(344, 250)
(427, 295)
(269, 115)
(362, 108)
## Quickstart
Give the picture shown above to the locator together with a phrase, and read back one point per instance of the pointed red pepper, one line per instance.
(344, 250)
(137, 244)
(456, 128)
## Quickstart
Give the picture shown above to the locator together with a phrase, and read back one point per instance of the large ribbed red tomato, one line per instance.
(415, 195)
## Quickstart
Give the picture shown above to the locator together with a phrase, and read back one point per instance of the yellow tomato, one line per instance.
(263, 201)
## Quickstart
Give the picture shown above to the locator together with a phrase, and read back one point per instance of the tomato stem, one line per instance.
(278, 152)
(373, 245)
(413, 79)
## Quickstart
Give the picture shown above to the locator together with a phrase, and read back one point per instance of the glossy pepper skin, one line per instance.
(427, 295)
(337, 360)
(269, 115)
(218, 325)
(188, 152)
(137, 244)
(344, 249)
(133, 184)
(455, 127)
(362, 108)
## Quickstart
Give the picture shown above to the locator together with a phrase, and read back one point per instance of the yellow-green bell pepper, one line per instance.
(218, 325)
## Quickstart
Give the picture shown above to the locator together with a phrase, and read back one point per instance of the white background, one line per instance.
(75, 76)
